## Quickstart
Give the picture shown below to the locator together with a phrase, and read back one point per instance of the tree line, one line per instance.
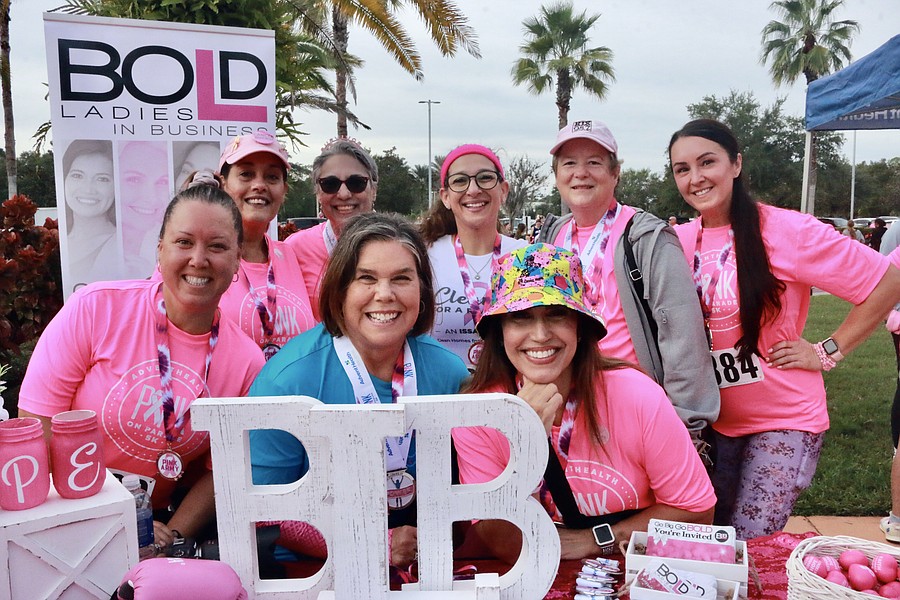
(773, 163)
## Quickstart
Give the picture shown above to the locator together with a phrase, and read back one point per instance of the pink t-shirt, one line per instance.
(309, 246)
(894, 257)
(293, 313)
(803, 252)
(99, 353)
(647, 458)
(617, 342)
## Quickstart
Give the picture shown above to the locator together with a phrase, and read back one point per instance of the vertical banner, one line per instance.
(136, 106)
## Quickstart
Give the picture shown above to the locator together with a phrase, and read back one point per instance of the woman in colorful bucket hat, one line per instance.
(626, 455)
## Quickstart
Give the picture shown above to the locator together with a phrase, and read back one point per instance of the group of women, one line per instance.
(368, 307)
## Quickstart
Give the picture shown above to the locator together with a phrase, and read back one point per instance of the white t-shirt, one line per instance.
(454, 327)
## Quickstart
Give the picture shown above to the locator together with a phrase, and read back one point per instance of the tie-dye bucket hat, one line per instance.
(538, 275)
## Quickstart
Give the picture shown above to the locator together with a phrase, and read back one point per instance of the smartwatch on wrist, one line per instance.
(832, 350)
(605, 538)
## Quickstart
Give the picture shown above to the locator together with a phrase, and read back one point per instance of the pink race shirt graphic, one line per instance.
(293, 316)
(600, 489)
(132, 412)
(725, 304)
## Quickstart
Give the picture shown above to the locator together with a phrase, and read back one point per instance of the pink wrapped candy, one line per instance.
(885, 567)
(838, 578)
(852, 557)
(890, 590)
(861, 577)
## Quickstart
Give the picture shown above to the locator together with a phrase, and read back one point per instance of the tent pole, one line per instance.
(804, 193)
(853, 178)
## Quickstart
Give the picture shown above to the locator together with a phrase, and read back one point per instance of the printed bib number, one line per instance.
(732, 370)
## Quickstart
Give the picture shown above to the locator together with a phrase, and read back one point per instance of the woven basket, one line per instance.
(803, 585)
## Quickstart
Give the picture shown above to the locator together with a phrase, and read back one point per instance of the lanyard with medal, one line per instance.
(475, 303)
(169, 463)
(401, 485)
(266, 311)
(594, 251)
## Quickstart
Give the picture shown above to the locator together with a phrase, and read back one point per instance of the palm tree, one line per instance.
(6, 81)
(556, 51)
(807, 41)
(446, 24)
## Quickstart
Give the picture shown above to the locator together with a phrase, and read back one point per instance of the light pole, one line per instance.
(430, 156)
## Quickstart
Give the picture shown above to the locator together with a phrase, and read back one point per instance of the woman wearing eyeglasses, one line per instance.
(464, 242)
(268, 297)
(345, 178)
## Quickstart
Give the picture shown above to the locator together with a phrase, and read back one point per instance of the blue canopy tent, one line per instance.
(864, 95)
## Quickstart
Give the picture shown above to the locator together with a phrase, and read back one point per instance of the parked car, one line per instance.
(304, 222)
(838, 223)
(862, 222)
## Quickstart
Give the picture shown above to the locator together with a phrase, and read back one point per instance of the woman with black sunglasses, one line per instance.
(464, 243)
(345, 179)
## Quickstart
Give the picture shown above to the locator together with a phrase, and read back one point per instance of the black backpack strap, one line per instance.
(559, 489)
(637, 278)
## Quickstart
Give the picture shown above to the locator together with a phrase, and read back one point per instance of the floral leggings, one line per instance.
(759, 477)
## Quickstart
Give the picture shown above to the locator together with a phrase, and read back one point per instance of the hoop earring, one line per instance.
(235, 278)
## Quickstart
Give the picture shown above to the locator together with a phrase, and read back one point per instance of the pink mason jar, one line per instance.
(24, 464)
(76, 452)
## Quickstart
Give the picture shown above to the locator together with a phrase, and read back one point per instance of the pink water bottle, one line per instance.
(76, 452)
(24, 464)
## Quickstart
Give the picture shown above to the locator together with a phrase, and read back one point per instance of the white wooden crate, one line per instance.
(635, 561)
(730, 590)
(68, 549)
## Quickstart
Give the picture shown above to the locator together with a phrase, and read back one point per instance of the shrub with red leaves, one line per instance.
(30, 289)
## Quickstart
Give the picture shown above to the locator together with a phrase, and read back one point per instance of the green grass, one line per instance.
(853, 477)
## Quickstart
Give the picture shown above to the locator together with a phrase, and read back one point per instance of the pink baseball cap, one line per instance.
(469, 149)
(245, 145)
(590, 130)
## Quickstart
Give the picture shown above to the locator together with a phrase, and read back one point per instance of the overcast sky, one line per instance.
(666, 55)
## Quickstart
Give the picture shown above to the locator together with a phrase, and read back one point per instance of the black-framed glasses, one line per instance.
(355, 184)
(485, 179)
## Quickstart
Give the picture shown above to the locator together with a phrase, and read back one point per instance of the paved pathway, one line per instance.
(860, 527)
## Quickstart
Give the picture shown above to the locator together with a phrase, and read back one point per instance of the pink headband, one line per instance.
(469, 149)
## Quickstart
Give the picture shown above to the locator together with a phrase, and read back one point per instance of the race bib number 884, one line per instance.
(732, 370)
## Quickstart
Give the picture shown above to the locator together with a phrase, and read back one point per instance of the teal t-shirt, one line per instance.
(308, 366)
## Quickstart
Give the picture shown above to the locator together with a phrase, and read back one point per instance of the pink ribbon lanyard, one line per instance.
(595, 251)
(566, 425)
(265, 311)
(475, 304)
(164, 355)
(706, 298)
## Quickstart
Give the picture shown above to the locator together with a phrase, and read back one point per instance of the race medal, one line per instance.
(270, 350)
(401, 489)
(475, 352)
(170, 465)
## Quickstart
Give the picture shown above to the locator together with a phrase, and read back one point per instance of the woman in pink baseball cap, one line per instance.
(464, 243)
(619, 454)
(268, 297)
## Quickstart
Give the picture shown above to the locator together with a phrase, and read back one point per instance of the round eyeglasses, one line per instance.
(485, 179)
(356, 184)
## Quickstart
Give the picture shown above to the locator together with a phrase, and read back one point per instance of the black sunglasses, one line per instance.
(355, 184)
